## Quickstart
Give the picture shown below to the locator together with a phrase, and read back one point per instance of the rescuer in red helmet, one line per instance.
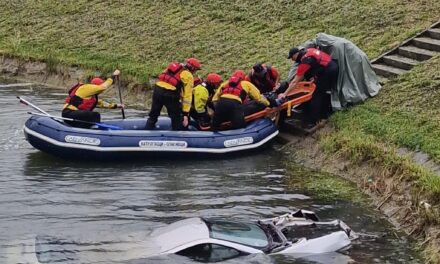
(229, 100)
(83, 98)
(174, 91)
(202, 95)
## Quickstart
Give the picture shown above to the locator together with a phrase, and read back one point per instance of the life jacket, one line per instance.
(171, 75)
(209, 88)
(81, 103)
(234, 87)
(265, 84)
(321, 57)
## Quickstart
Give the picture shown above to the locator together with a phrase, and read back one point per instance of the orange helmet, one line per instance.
(240, 74)
(97, 81)
(214, 78)
(193, 63)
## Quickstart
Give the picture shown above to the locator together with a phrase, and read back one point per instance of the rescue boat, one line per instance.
(127, 138)
(60, 139)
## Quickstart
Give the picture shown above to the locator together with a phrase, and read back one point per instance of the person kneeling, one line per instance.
(202, 100)
(83, 98)
(228, 100)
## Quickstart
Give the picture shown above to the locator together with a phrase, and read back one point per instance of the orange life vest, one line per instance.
(321, 57)
(81, 103)
(171, 75)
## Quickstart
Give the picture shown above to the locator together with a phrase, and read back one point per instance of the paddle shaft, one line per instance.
(44, 113)
(23, 101)
(77, 120)
(120, 96)
(63, 118)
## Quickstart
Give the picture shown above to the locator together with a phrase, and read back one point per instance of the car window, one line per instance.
(243, 233)
(210, 253)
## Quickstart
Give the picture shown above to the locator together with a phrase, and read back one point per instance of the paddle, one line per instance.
(23, 101)
(100, 125)
(44, 113)
(120, 96)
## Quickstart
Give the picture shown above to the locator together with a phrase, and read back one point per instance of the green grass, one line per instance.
(141, 37)
(404, 114)
(323, 186)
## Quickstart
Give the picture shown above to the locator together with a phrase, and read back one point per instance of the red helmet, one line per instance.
(240, 74)
(193, 63)
(214, 78)
(97, 81)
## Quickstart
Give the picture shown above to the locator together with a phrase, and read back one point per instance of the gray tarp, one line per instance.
(356, 80)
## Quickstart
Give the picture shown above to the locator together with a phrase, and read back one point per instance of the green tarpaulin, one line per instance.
(356, 80)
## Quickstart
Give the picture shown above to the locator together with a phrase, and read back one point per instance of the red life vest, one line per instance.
(267, 83)
(81, 103)
(321, 57)
(171, 75)
(234, 87)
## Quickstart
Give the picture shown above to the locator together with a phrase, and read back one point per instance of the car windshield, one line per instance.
(243, 233)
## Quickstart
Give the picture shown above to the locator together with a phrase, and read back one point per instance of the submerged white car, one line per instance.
(213, 239)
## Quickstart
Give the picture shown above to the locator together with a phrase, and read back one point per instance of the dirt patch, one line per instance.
(390, 193)
(40, 72)
(135, 95)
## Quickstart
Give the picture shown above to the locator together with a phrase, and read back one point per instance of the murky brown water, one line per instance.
(58, 211)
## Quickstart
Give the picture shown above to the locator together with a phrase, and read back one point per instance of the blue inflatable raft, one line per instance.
(60, 139)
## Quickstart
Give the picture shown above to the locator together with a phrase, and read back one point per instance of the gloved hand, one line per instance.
(114, 106)
(185, 120)
(115, 75)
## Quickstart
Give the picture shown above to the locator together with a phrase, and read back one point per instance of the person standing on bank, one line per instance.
(174, 91)
(319, 66)
(228, 100)
(83, 98)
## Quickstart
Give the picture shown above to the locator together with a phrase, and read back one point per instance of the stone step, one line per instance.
(400, 61)
(433, 33)
(427, 43)
(387, 71)
(415, 53)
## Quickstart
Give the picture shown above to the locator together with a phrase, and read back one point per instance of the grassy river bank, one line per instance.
(389, 146)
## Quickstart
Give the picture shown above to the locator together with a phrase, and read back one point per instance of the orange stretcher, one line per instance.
(300, 94)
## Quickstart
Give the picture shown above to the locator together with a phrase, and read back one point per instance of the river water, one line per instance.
(58, 211)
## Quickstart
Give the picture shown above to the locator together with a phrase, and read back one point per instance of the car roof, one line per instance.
(179, 233)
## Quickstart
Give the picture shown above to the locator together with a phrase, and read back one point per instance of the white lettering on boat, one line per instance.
(238, 142)
(162, 144)
(82, 140)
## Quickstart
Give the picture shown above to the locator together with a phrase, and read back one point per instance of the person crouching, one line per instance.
(228, 100)
(82, 100)
(202, 99)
